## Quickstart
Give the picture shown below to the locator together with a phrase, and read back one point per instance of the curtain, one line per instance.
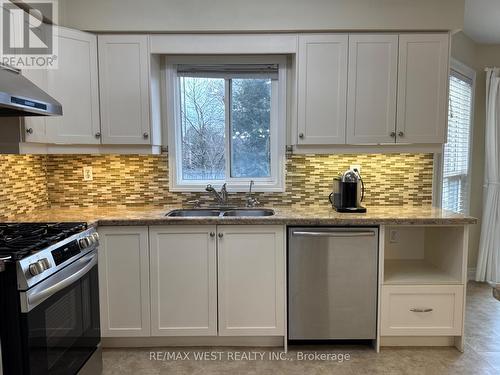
(488, 266)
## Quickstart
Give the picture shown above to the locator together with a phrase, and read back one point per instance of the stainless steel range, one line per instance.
(49, 300)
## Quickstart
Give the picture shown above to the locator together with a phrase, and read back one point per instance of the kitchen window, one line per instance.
(456, 156)
(226, 122)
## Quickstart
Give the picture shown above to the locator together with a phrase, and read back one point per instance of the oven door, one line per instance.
(60, 319)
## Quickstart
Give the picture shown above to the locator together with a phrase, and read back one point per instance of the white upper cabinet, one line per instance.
(183, 280)
(372, 84)
(422, 88)
(74, 83)
(108, 87)
(372, 89)
(35, 126)
(124, 89)
(322, 89)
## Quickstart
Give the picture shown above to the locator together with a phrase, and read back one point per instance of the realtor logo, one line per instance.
(28, 34)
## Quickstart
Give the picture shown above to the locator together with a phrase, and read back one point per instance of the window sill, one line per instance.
(231, 188)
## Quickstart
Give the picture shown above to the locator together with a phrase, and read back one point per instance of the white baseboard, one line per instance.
(471, 273)
(417, 341)
(156, 341)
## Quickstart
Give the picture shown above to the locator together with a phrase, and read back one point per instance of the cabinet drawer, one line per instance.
(430, 310)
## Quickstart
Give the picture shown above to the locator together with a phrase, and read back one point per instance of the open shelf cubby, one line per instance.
(424, 255)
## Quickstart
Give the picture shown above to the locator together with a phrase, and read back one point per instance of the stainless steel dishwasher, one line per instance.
(332, 283)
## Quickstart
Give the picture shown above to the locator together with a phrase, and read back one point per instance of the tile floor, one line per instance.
(481, 356)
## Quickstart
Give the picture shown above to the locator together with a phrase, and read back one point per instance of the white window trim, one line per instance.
(278, 132)
(470, 73)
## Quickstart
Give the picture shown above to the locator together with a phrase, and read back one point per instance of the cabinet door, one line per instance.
(75, 85)
(35, 126)
(371, 99)
(422, 88)
(124, 281)
(322, 89)
(183, 280)
(124, 89)
(251, 280)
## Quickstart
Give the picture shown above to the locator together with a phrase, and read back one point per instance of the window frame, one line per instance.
(274, 183)
(468, 72)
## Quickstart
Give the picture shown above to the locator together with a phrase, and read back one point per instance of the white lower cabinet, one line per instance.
(192, 280)
(427, 310)
(124, 281)
(183, 268)
(251, 280)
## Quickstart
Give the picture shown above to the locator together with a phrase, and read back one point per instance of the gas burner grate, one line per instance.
(21, 239)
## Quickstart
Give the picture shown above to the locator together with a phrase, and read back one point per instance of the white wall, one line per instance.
(248, 15)
(477, 56)
(481, 21)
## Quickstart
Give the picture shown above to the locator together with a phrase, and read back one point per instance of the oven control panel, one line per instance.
(64, 253)
(41, 264)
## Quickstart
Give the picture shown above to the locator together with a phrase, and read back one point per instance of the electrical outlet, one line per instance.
(88, 174)
(393, 236)
(356, 166)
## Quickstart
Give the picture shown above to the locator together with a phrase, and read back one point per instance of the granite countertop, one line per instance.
(313, 215)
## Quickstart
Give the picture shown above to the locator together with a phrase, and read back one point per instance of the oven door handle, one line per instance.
(67, 276)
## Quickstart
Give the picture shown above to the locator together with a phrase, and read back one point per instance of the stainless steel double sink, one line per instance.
(209, 212)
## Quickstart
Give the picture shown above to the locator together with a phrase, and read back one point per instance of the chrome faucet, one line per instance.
(221, 197)
(251, 200)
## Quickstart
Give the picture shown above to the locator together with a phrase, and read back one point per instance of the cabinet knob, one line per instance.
(221, 235)
(212, 234)
(401, 134)
(301, 135)
(392, 134)
(29, 130)
(145, 135)
(98, 135)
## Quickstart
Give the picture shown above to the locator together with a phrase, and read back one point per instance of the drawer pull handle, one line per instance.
(420, 310)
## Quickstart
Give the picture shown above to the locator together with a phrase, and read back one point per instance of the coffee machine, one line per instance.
(348, 192)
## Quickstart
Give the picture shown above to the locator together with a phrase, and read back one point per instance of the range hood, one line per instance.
(20, 97)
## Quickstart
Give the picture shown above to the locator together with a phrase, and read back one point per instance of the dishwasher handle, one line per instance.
(335, 234)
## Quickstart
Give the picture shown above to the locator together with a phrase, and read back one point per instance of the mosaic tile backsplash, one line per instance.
(23, 184)
(31, 182)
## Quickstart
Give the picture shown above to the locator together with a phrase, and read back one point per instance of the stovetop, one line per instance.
(22, 239)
